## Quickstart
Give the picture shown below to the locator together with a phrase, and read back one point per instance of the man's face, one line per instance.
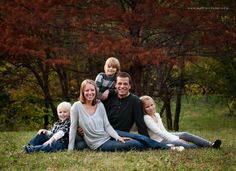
(122, 86)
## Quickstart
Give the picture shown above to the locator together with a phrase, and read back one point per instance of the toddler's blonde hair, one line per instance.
(114, 62)
(64, 105)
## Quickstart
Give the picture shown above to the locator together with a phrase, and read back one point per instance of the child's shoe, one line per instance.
(177, 148)
(216, 144)
(28, 149)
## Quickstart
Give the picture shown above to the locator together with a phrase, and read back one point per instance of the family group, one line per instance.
(103, 116)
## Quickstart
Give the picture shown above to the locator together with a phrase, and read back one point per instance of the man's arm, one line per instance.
(139, 117)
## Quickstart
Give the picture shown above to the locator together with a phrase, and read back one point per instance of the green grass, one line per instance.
(210, 121)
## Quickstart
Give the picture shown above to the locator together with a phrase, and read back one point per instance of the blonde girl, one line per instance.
(158, 132)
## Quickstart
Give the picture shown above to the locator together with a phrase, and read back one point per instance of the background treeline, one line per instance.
(170, 48)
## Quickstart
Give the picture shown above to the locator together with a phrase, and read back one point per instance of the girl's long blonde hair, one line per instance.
(145, 98)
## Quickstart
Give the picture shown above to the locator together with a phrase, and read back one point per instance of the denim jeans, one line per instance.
(147, 142)
(80, 144)
(195, 140)
(180, 142)
(36, 144)
(141, 141)
(113, 145)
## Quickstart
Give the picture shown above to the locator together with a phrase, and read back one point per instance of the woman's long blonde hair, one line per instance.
(83, 84)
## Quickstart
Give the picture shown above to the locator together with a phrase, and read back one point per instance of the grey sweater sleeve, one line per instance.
(74, 117)
(109, 129)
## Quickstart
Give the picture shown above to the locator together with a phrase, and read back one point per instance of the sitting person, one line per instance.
(124, 109)
(158, 132)
(105, 81)
(90, 115)
(57, 137)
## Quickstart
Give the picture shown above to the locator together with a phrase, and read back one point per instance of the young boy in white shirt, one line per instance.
(57, 137)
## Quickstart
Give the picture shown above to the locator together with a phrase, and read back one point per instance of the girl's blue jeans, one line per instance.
(195, 141)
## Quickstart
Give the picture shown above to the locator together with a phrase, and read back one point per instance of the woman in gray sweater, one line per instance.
(90, 114)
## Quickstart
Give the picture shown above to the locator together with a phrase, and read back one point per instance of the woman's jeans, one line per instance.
(142, 142)
(36, 144)
(196, 141)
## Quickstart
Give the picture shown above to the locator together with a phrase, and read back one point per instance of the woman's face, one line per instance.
(89, 92)
(149, 107)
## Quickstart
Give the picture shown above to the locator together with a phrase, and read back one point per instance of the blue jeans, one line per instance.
(80, 144)
(180, 143)
(147, 142)
(113, 145)
(141, 141)
(36, 144)
(195, 140)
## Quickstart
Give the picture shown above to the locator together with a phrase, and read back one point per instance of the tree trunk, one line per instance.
(177, 111)
(63, 78)
(180, 87)
(168, 114)
(162, 110)
(163, 75)
(136, 74)
(42, 78)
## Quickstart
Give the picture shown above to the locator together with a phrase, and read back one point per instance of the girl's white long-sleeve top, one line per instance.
(156, 129)
(97, 129)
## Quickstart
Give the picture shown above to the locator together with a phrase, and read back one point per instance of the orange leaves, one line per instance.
(29, 29)
(153, 56)
(60, 61)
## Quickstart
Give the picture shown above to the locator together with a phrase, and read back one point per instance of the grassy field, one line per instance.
(210, 121)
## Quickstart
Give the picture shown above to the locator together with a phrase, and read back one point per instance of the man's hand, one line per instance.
(80, 131)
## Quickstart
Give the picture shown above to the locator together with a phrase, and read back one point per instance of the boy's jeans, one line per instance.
(36, 144)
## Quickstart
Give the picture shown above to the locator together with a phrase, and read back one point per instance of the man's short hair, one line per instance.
(123, 75)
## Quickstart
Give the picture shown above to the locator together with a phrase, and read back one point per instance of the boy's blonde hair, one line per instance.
(145, 98)
(114, 62)
(64, 105)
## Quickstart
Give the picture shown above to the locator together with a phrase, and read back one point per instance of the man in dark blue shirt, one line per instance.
(124, 108)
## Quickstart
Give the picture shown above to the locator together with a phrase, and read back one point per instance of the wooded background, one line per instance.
(170, 48)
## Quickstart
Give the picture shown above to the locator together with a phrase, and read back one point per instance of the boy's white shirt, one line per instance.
(57, 135)
(156, 130)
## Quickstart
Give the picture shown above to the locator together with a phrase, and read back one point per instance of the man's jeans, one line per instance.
(146, 141)
(113, 145)
(142, 142)
(36, 144)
